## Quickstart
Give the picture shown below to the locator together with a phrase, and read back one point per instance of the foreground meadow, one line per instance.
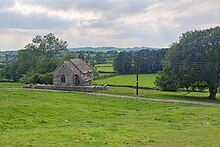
(33, 118)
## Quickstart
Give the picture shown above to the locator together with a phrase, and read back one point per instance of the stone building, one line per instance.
(73, 73)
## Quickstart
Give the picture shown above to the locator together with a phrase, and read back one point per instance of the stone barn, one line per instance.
(73, 73)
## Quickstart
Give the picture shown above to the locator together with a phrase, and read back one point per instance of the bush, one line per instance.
(37, 78)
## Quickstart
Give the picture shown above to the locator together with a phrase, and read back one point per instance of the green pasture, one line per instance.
(104, 65)
(180, 95)
(104, 68)
(145, 80)
(11, 85)
(31, 118)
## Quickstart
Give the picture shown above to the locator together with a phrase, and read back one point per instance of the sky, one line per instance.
(95, 23)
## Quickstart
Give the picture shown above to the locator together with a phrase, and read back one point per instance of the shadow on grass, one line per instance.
(181, 95)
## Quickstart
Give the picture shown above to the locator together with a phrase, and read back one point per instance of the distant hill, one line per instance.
(10, 56)
(14, 52)
(111, 49)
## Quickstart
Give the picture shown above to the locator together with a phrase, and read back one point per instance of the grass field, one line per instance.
(104, 68)
(11, 85)
(31, 118)
(180, 95)
(145, 80)
(104, 65)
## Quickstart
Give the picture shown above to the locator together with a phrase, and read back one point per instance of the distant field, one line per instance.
(31, 118)
(104, 65)
(145, 80)
(104, 68)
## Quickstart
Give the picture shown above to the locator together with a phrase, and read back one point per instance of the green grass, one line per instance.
(31, 118)
(104, 65)
(181, 95)
(104, 68)
(145, 80)
(11, 85)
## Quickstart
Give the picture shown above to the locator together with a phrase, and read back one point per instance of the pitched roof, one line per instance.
(81, 65)
(76, 65)
(70, 66)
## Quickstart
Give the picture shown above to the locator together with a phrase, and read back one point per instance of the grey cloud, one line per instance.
(155, 31)
(34, 21)
(6, 3)
(203, 18)
(106, 6)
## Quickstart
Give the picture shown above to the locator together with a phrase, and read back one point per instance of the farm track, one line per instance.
(130, 97)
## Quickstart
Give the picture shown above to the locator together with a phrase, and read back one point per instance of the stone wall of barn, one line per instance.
(71, 79)
(63, 70)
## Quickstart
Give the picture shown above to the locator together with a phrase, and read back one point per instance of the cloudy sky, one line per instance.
(119, 23)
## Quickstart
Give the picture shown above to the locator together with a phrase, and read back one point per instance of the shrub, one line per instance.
(37, 78)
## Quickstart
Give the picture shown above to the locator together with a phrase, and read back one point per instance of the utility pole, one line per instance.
(137, 79)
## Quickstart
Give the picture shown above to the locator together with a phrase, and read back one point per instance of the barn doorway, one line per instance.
(63, 79)
(77, 80)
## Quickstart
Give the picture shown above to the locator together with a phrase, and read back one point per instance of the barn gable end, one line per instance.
(73, 73)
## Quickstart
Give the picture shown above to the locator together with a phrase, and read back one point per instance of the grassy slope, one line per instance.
(74, 119)
(145, 80)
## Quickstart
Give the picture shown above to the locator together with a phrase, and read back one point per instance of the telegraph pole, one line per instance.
(137, 79)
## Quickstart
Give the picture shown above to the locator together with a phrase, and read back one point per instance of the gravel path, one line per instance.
(131, 97)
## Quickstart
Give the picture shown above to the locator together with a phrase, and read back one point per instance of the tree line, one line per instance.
(147, 61)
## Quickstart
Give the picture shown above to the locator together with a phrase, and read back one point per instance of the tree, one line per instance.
(100, 58)
(47, 45)
(123, 63)
(68, 56)
(148, 61)
(38, 57)
(193, 61)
